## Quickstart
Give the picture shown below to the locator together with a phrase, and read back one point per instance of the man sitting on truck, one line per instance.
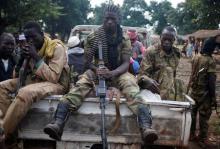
(116, 55)
(158, 68)
(44, 72)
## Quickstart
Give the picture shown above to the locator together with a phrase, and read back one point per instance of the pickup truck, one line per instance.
(171, 119)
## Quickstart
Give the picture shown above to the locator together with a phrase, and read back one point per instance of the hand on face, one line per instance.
(29, 51)
(35, 40)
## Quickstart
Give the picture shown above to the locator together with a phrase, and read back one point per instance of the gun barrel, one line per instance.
(100, 50)
(102, 94)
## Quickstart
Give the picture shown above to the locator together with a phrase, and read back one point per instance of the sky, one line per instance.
(98, 2)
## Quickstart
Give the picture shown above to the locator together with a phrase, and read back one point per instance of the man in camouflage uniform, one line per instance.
(202, 85)
(47, 73)
(116, 54)
(158, 67)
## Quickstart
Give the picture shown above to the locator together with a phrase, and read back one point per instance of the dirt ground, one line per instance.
(183, 73)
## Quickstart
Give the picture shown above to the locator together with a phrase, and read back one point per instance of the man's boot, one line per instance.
(55, 128)
(149, 135)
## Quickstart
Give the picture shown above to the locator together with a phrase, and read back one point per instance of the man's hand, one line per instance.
(105, 72)
(149, 84)
(154, 87)
(30, 52)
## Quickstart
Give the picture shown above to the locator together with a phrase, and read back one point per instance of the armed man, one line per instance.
(47, 74)
(116, 55)
(202, 89)
(158, 67)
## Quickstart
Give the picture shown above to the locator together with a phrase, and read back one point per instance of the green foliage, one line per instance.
(188, 17)
(74, 12)
(160, 13)
(98, 14)
(133, 13)
(14, 13)
(59, 16)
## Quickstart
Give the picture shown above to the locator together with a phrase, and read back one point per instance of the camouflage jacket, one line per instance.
(155, 59)
(202, 65)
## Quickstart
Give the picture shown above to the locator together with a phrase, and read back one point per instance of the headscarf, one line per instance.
(47, 50)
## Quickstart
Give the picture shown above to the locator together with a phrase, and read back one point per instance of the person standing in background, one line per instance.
(7, 62)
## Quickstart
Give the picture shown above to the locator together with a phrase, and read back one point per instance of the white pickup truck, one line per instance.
(171, 119)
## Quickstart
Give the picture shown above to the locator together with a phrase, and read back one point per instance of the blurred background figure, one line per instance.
(7, 61)
(185, 48)
(137, 47)
(190, 47)
(144, 41)
(75, 58)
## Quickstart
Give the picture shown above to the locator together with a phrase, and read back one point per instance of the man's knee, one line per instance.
(25, 95)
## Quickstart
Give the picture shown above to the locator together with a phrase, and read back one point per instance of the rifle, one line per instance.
(101, 91)
(22, 75)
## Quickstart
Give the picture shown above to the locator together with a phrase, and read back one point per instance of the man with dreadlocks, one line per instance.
(116, 54)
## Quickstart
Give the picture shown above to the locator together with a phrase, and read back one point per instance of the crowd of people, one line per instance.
(47, 65)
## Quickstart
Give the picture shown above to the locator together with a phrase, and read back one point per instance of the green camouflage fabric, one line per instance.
(126, 82)
(201, 65)
(157, 65)
(73, 75)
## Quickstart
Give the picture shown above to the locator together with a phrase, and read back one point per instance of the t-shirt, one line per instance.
(5, 62)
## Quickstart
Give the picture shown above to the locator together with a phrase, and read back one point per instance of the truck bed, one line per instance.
(171, 119)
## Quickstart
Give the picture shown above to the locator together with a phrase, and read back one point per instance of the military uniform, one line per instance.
(49, 76)
(159, 66)
(202, 65)
(125, 82)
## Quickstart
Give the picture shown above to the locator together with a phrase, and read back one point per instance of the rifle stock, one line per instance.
(22, 75)
(101, 91)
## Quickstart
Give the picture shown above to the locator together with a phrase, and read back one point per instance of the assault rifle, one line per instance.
(101, 91)
(22, 75)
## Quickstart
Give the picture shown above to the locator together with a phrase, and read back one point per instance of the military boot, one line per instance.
(55, 128)
(149, 135)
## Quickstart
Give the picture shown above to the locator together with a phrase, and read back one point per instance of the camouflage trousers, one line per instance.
(14, 109)
(204, 109)
(126, 83)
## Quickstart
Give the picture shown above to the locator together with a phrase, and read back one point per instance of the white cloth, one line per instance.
(149, 96)
(5, 62)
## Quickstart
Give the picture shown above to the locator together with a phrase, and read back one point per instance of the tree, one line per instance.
(98, 14)
(207, 12)
(193, 15)
(160, 12)
(16, 12)
(184, 19)
(74, 12)
(133, 13)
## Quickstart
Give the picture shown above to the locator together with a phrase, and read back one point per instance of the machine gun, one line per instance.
(101, 91)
